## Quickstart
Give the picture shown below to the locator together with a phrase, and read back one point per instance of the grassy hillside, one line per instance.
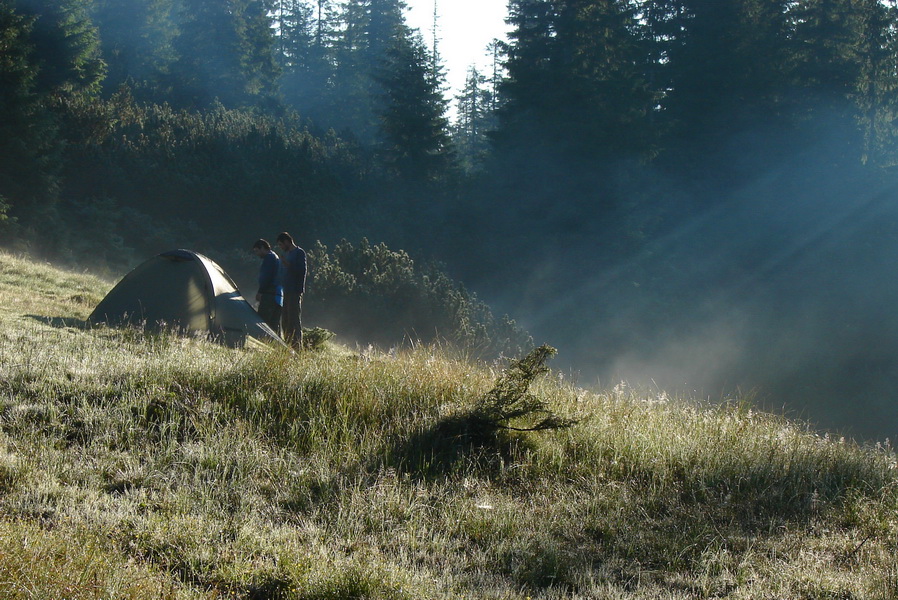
(150, 466)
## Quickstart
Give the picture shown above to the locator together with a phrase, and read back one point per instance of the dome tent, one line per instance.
(186, 291)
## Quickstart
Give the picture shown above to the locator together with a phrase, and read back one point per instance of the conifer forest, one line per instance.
(696, 194)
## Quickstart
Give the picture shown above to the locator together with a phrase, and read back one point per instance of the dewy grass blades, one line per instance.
(137, 465)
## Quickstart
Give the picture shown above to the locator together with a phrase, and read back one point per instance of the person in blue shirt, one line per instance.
(293, 260)
(271, 294)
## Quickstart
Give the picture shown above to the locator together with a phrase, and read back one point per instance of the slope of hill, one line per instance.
(151, 466)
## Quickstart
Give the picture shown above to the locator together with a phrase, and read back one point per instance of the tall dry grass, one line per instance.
(146, 466)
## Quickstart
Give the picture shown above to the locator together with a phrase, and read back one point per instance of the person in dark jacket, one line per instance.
(294, 282)
(271, 294)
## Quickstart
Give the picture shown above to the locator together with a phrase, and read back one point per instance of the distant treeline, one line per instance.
(606, 127)
(335, 112)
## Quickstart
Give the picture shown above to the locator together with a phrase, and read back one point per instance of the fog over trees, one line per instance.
(695, 193)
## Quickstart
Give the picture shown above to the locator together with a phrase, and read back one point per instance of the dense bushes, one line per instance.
(378, 295)
(231, 170)
(142, 179)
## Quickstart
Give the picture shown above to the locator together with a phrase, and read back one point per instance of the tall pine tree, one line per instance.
(723, 69)
(843, 59)
(50, 55)
(576, 79)
(66, 45)
(413, 125)
(475, 118)
(28, 131)
(305, 41)
(136, 38)
(224, 52)
(879, 83)
(370, 28)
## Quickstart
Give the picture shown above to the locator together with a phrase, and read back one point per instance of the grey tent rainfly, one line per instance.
(185, 291)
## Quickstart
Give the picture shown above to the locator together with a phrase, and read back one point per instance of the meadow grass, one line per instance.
(140, 465)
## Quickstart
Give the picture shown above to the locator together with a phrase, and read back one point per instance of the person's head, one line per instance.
(261, 248)
(285, 241)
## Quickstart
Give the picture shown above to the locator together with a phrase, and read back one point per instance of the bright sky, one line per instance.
(465, 27)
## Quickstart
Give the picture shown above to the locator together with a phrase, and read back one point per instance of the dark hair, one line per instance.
(263, 244)
(284, 237)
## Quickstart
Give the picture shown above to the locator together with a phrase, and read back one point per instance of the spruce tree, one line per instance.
(370, 29)
(475, 118)
(415, 143)
(28, 131)
(224, 52)
(577, 79)
(842, 60)
(305, 57)
(136, 40)
(259, 63)
(878, 101)
(724, 71)
(66, 46)
(50, 55)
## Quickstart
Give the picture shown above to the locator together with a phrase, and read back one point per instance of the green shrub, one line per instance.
(511, 405)
(378, 295)
(314, 338)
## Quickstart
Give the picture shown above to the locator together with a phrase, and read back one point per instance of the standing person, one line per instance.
(271, 295)
(294, 282)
